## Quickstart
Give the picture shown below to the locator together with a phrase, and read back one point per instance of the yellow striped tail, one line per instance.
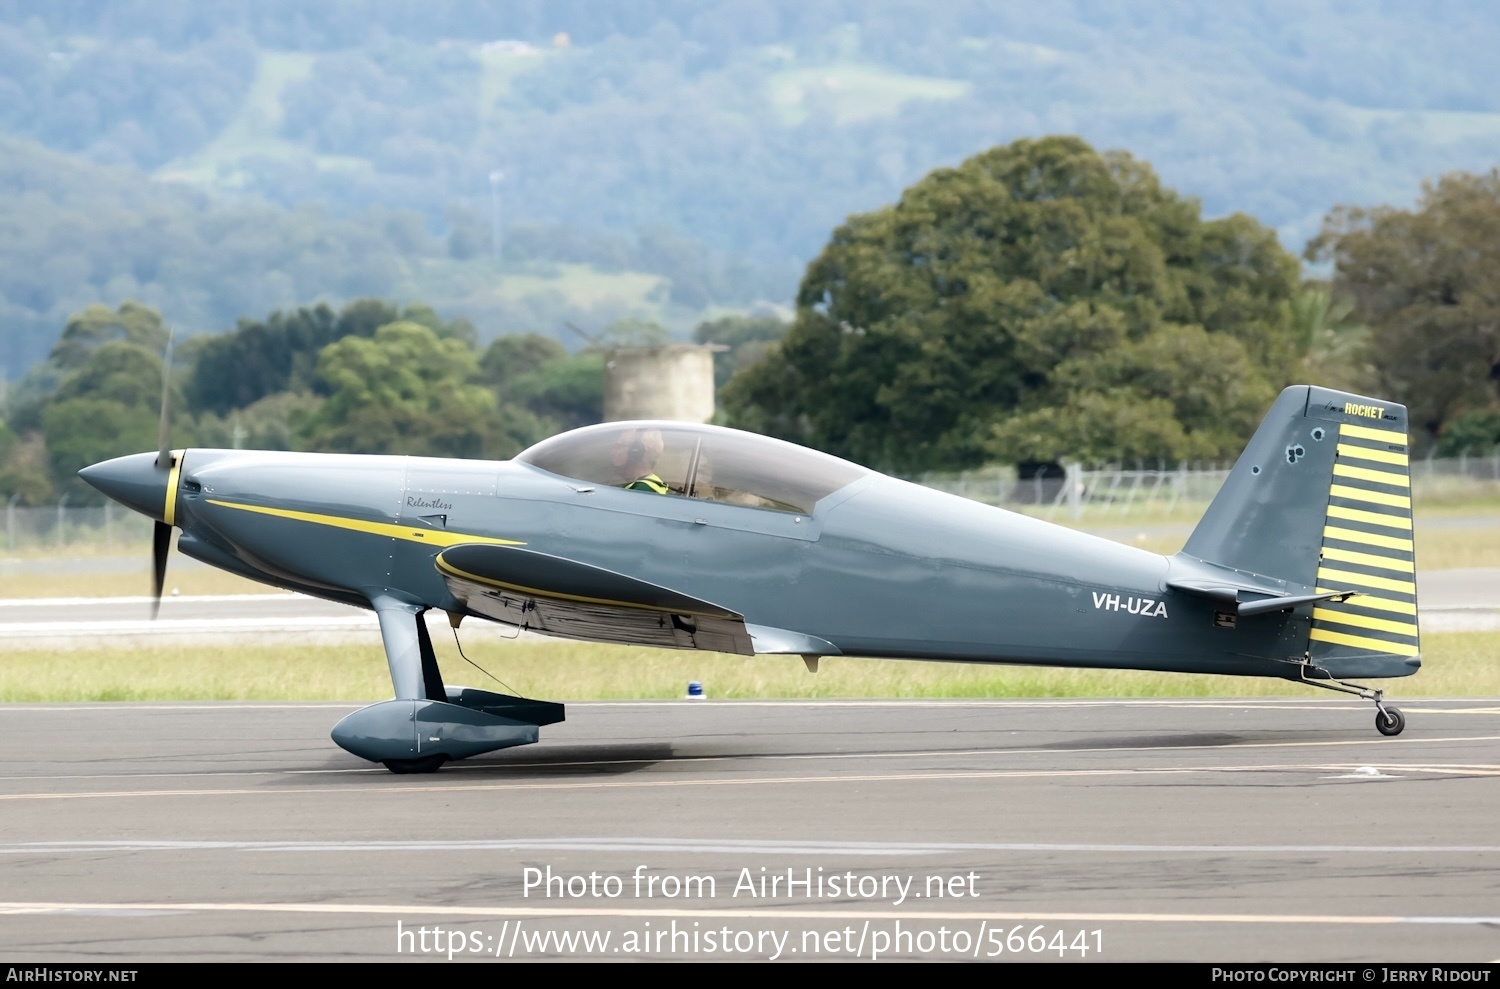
(1367, 549)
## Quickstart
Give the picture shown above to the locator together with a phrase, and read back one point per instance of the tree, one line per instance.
(1041, 301)
(1337, 343)
(745, 339)
(262, 358)
(97, 324)
(1475, 433)
(108, 407)
(516, 355)
(403, 391)
(1427, 283)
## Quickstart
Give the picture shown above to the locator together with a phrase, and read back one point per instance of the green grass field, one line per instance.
(1455, 665)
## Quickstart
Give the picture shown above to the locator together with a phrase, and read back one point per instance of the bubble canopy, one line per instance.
(696, 461)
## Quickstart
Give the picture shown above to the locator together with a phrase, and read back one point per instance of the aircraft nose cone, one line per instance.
(134, 481)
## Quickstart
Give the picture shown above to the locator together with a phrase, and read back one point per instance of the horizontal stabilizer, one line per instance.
(557, 596)
(1248, 600)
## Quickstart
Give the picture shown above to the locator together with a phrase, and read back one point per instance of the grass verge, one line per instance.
(1455, 665)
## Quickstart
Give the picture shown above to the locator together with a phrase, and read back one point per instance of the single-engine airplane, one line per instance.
(700, 537)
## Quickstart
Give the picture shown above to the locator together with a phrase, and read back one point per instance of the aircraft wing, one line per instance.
(558, 596)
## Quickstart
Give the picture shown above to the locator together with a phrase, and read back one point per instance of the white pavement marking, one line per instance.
(1477, 769)
(723, 846)
(765, 913)
(636, 784)
(188, 626)
(167, 602)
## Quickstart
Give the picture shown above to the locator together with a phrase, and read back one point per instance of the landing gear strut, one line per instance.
(1388, 719)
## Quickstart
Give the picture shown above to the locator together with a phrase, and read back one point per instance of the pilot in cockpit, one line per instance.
(635, 454)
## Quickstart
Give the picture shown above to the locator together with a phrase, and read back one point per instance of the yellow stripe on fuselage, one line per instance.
(432, 537)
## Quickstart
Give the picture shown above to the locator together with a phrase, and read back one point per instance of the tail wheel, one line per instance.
(1390, 721)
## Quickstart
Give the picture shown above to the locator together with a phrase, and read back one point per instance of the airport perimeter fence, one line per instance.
(1164, 489)
(1104, 492)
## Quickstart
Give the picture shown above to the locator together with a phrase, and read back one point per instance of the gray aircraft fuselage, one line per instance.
(1302, 567)
(881, 568)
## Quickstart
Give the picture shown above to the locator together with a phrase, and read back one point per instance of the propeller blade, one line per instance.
(163, 435)
(161, 542)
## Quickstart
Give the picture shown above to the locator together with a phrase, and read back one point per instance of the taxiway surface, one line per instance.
(1192, 830)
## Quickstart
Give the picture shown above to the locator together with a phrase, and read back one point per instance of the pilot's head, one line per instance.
(636, 452)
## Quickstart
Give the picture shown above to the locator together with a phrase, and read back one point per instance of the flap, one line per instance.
(526, 571)
(557, 596)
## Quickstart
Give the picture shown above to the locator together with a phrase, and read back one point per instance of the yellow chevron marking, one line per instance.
(1361, 642)
(1365, 580)
(1378, 497)
(1368, 538)
(1365, 621)
(1366, 433)
(1378, 476)
(1368, 559)
(1379, 604)
(1366, 453)
(432, 537)
(1373, 518)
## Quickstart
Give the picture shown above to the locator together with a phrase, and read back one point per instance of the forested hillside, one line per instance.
(651, 159)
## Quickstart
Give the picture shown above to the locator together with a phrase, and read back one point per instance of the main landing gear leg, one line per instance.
(428, 724)
(1388, 719)
(414, 669)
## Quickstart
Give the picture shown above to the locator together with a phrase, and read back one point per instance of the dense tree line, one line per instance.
(1426, 283)
(1039, 302)
(370, 377)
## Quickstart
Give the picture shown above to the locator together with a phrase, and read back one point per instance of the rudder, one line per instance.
(1321, 498)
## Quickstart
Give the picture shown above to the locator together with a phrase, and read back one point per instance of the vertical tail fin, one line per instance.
(1321, 498)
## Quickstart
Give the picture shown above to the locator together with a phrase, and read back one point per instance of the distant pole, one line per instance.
(10, 521)
(496, 177)
(61, 516)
